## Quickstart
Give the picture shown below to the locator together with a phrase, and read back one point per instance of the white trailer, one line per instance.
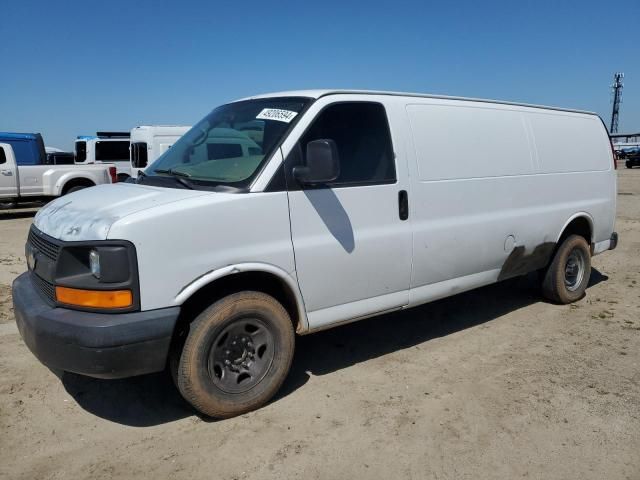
(148, 142)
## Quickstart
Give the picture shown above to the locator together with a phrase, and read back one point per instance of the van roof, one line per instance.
(324, 92)
(162, 126)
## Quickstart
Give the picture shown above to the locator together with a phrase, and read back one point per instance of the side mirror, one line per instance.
(322, 163)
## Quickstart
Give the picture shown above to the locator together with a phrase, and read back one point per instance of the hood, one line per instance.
(88, 214)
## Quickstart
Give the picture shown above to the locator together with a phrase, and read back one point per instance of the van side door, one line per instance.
(351, 237)
(8, 172)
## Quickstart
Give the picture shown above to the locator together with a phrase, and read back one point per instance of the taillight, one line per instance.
(613, 153)
(112, 174)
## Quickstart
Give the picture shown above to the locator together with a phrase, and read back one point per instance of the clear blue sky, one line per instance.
(74, 67)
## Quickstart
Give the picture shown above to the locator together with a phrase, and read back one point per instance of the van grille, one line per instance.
(48, 252)
(44, 246)
(47, 289)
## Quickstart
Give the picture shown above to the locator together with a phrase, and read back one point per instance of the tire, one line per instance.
(566, 279)
(122, 177)
(75, 189)
(236, 355)
(629, 164)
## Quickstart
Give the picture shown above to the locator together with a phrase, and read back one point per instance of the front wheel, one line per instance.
(236, 355)
(566, 279)
(629, 164)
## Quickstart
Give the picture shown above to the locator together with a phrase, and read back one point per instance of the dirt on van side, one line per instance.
(494, 383)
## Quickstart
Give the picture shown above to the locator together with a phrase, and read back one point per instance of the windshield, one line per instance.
(230, 145)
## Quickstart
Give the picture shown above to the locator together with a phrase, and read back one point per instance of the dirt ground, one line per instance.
(493, 383)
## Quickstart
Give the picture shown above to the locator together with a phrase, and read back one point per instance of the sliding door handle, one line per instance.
(403, 204)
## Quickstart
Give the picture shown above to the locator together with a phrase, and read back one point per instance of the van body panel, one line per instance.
(336, 236)
(582, 145)
(287, 277)
(350, 235)
(446, 288)
(492, 188)
(357, 310)
(456, 141)
(89, 214)
(182, 241)
(403, 96)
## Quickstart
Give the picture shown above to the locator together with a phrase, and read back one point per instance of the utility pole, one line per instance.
(617, 99)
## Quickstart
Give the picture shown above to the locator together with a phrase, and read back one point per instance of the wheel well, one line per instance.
(237, 282)
(77, 182)
(578, 226)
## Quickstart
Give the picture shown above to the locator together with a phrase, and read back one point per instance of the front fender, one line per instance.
(188, 290)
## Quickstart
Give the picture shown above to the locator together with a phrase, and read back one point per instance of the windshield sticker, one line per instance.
(277, 114)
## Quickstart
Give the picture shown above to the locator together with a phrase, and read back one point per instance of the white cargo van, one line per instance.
(321, 208)
(106, 147)
(148, 142)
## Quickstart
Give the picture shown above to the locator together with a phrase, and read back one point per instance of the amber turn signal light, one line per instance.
(94, 298)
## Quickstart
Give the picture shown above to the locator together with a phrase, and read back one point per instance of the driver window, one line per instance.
(361, 133)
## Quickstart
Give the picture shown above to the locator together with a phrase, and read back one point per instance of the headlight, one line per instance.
(100, 275)
(94, 263)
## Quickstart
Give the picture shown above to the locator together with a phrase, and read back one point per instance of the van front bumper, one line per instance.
(99, 345)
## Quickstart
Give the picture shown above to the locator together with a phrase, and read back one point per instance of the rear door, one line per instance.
(29, 161)
(8, 172)
(351, 240)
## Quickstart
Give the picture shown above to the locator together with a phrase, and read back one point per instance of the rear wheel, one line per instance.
(566, 279)
(236, 355)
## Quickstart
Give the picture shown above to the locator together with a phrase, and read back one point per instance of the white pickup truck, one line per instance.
(39, 181)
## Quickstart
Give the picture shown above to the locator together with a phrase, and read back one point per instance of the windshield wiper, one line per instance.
(177, 176)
